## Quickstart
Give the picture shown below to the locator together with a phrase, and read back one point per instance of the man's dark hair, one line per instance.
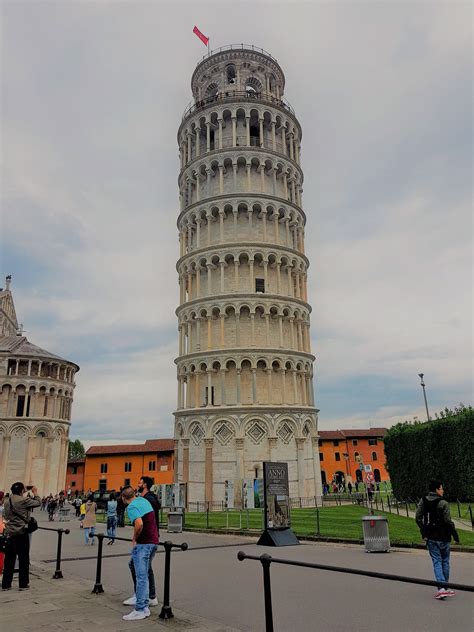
(17, 488)
(148, 481)
(434, 485)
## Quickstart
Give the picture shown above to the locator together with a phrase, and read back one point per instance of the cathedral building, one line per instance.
(36, 394)
(245, 366)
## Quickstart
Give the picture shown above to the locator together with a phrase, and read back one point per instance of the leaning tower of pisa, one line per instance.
(245, 368)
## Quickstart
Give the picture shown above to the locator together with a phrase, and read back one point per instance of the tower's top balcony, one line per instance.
(237, 68)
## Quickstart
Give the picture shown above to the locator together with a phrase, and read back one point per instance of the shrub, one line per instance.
(438, 449)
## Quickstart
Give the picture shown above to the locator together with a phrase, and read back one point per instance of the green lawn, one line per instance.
(334, 522)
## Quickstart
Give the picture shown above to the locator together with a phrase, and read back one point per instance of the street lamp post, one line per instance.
(420, 375)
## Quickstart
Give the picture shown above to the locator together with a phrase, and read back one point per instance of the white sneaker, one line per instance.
(135, 615)
(131, 601)
(147, 612)
(153, 602)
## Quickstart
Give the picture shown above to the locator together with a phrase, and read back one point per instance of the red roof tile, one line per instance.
(349, 433)
(151, 445)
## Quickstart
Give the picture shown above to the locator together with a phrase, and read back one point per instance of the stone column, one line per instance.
(252, 325)
(223, 392)
(198, 333)
(283, 141)
(198, 141)
(300, 455)
(209, 387)
(208, 136)
(251, 277)
(236, 274)
(198, 232)
(264, 222)
(221, 179)
(222, 331)
(197, 390)
(239, 468)
(234, 131)
(222, 265)
(220, 133)
(47, 467)
(4, 462)
(269, 380)
(208, 484)
(209, 279)
(254, 386)
(237, 330)
(189, 148)
(209, 332)
(267, 330)
(239, 387)
(185, 444)
(221, 225)
(295, 387)
(280, 328)
(292, 152)
(247, 120)
(176, 461)
(274, 136)
(283, 379)
(188, 391)
(62, 464)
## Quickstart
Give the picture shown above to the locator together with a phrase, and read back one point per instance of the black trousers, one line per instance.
(18, 545)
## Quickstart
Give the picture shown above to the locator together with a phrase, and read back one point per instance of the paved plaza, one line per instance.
(212, 590)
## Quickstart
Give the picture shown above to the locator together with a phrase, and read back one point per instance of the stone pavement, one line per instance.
(68, 605)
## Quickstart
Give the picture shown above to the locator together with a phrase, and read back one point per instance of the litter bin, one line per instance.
(376, 538)
(175, 521)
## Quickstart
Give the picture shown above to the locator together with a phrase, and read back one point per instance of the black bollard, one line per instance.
(318, 532)
(98, 588)
(166, 612)
(266, 560)
(472, 520)
(58, 574)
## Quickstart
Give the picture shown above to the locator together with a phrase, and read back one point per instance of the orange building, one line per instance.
(340, 451)
(110, 467)
(75, 475)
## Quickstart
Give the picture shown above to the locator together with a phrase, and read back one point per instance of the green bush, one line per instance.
(439, 449)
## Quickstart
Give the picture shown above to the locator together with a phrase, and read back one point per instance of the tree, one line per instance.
(76, 449)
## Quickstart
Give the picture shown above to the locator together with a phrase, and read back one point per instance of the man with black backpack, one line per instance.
(434, 520)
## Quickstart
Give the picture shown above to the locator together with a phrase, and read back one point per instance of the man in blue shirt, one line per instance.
(145, 542)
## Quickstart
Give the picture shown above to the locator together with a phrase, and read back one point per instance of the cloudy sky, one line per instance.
(91, 99)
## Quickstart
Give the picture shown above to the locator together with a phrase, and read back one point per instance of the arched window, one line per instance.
(323, 477)
(356, 455)
(230, 73)
(377, 475)
(212, 90)
(374, 456)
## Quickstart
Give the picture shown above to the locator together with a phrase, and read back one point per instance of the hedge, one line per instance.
(442, 448)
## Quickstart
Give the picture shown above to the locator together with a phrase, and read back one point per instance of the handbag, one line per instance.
(31, 524)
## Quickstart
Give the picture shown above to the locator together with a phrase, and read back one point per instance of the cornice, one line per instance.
(242, 197)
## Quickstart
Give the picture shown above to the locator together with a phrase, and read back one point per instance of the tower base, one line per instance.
(278, 537)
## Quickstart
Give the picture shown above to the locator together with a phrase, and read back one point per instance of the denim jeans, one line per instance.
(140, 566)
(439, 553)
(111, 526)
(88, 540)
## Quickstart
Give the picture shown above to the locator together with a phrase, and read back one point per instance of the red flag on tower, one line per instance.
(203, 38)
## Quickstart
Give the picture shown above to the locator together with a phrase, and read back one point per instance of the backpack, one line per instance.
(431, 518)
